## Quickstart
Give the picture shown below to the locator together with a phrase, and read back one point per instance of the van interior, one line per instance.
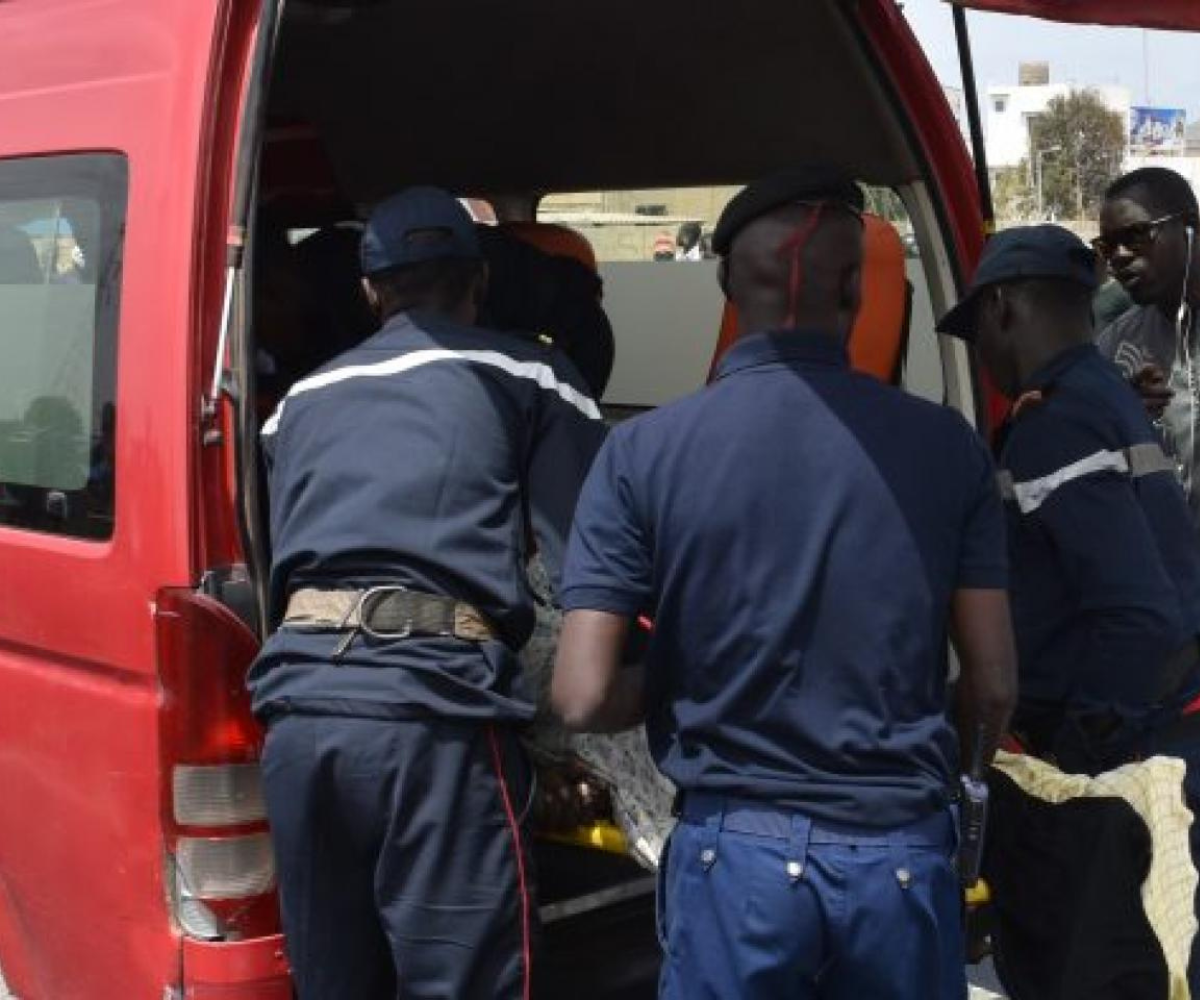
(632, 124)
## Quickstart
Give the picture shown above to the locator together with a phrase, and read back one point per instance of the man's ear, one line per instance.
(371, 294)
(723, 277)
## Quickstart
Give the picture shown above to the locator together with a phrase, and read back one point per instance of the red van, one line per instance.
(142, 143)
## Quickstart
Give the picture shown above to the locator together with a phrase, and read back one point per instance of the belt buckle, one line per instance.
(364, 609)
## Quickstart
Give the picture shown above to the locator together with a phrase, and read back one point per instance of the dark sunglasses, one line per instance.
(1137, 237)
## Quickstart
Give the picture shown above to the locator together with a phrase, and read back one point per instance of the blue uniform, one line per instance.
(796, 531)
(1106, 579)
(1106, 573)
(431, 456)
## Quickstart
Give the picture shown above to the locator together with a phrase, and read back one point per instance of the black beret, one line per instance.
(813, 183)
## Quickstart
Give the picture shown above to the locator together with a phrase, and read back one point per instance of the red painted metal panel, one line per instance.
(1179, 15)
(236, 970)
(934, 128)
(83, 904)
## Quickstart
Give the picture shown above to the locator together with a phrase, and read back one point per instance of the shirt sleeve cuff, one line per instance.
(617, 602)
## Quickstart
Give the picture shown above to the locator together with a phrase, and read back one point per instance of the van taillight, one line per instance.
(219, 852)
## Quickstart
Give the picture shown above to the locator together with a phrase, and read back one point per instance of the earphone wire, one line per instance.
(1183, 333)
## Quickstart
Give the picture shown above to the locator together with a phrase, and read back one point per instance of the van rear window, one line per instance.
(654, 253)
(62, 221)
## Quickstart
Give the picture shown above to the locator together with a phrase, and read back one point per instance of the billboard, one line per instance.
(1157, 130)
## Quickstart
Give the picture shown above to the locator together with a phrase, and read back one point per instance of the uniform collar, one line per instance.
(1049, 373)
(808, 347)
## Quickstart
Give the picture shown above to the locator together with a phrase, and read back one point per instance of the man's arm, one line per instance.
(980, 621)
(607, 583)
(981, 628)
(593, 691)
(567, 437)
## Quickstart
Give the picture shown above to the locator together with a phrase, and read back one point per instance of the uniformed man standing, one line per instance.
(406, 477)
(1148, 237)
(1105, 570)
(801, 536)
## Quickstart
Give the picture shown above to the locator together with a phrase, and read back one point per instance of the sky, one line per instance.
(1076, 53)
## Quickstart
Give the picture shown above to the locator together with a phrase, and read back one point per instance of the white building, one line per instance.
(957, 100)
(1011, 110)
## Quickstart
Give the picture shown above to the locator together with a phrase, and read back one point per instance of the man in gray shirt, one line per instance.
(1148, 229)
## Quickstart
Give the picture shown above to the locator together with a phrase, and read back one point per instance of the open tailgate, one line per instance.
(1176, 15)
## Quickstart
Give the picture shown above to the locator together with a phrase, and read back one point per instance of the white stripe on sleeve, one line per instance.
(535, 371)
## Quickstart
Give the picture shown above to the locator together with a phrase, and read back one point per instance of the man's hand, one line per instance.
(568, 798)
(1151, 384)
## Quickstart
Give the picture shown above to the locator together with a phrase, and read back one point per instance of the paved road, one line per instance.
(984, 984)
(977, 992)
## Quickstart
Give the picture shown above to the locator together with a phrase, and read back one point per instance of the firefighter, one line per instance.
(405, 479)
(1105, 570)
(802, 536)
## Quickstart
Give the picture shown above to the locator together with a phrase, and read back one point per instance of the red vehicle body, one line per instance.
(120, 660)
(1175, 15)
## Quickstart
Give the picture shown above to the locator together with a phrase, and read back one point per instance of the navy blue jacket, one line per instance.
(427, 456)
(796, 530)
(1105, 568)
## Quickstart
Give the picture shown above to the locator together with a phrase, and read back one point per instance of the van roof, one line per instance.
(584, 95)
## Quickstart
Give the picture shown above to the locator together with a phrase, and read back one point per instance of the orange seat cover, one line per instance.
(556, 240)
(878, 335)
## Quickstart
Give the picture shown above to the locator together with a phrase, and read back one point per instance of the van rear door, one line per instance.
(107, 184)
(1180, 15)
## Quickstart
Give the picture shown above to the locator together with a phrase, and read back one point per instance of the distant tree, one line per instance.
(1013, 194)
(886, 203)
(1082, 143)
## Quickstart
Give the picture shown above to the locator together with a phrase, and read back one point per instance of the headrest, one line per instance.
(554, 239)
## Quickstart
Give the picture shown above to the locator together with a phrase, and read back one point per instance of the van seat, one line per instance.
(555, 239)
(544, 279)
(880, 332)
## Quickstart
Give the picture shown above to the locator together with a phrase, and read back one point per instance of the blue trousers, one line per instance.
(403, 872)
(758, 903)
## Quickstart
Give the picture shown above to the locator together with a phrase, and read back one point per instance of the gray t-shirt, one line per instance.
(1144, 336)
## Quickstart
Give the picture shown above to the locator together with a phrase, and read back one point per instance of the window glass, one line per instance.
(61, 226)
(921, 371)
(660, 284)
(661, 292)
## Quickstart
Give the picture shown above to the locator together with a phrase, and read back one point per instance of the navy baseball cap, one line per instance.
(1015, 254)
(417, 225)
(812, 184)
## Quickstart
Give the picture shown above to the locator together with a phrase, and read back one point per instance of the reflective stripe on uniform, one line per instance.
(1139, 460)
(535, 371)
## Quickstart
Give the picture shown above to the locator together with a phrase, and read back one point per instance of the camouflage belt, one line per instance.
(387, 612)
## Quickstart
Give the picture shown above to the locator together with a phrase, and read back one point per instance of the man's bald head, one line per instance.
(796, 265)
